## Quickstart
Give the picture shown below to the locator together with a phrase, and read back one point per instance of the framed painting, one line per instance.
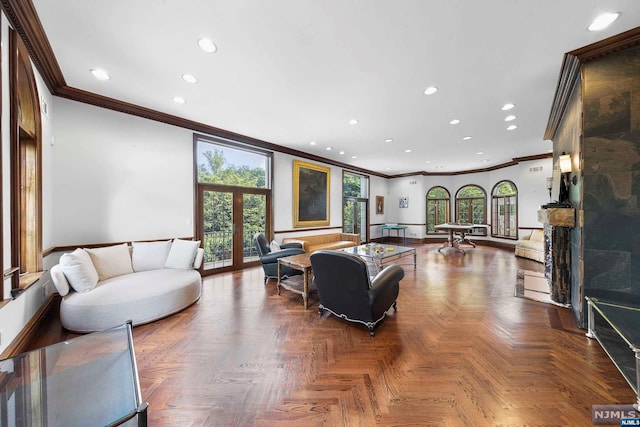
(379, 205)
(404, 202)
(310, 194)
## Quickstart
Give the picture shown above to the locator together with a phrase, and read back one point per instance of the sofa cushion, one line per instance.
(79, 271)
(140, 297)
(537, 236)
(275, 246)
(149, 255)
(111, 261)
(182, 254)
(331, 245)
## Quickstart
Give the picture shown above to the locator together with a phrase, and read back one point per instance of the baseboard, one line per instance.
(21, 343)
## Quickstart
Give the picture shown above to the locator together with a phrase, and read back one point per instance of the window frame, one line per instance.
(494, 211)
(447, 202)
(480, 231)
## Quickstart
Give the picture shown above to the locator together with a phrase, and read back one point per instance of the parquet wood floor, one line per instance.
(460, 351)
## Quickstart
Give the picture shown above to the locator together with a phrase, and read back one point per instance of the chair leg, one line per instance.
(371, 332)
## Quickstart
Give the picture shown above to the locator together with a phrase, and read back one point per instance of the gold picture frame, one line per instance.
(311, 184)
(379, 205)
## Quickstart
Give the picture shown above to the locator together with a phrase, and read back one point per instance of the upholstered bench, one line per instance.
(325, 241)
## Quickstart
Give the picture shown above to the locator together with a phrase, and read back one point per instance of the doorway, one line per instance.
(228, 218)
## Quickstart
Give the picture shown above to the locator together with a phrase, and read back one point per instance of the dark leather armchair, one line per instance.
(269, 259)
(346, 290)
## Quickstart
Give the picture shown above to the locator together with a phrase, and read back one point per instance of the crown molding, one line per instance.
(571, 69)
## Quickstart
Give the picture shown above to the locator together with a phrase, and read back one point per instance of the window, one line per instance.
(26, 169)
(504, 210)
(471, 203)
(355, 204)
(233, 201)
(438, 200)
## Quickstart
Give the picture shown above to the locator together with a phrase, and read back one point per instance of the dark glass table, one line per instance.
(617, 328)
(91, 380)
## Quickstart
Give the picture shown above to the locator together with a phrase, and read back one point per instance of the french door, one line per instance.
(355, 212)
(228, 217)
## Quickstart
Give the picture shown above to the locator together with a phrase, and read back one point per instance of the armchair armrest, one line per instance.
(291, 245)
(273, 256)
(392, 273)
(384, 289)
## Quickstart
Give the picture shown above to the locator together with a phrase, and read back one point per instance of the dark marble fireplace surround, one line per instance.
(611, 176)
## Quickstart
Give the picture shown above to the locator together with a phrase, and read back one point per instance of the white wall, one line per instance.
(118, 177)
(529, 177)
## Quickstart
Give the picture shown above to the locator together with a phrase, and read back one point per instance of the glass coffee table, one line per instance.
(91, 380)
(380, 255)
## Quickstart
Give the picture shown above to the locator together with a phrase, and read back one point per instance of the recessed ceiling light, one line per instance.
(100, 74)
(439, 167)
(312, 143)
(353, 121)
(466, 138)
(484, 160)
(454, 122)
(328, 148)
(407, 151)
(189, 78)
(354, 157)
(508, 106)
(512, 127)
(388, 140)
(342, 152)
(207, 45)
(179, 100)
(480, 153)
(430, 90)
(603, 21)
(509, 118)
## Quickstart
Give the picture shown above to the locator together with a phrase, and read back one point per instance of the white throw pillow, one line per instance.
(275, 246)
(79, 270)
(111, 261)
(182, 254)
(149, 255)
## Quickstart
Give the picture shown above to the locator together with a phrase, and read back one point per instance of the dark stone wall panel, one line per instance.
(611, 231)
(608, 270)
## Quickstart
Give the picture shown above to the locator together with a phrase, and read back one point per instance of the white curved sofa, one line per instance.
(141, 283)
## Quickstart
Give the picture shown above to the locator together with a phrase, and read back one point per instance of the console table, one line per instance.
(87, 381)
(397, 228)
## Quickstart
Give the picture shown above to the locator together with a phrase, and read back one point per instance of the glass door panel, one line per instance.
(254, 220)
(216, 208)
(354, 217)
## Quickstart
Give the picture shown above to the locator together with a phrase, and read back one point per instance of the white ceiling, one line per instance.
(294, 71)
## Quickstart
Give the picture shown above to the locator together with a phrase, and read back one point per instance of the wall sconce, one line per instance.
(549, 186)
(566, 167)
(565, 162)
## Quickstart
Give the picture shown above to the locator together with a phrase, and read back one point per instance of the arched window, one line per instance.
(504, 210)
(471, 207)
(438, 200)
